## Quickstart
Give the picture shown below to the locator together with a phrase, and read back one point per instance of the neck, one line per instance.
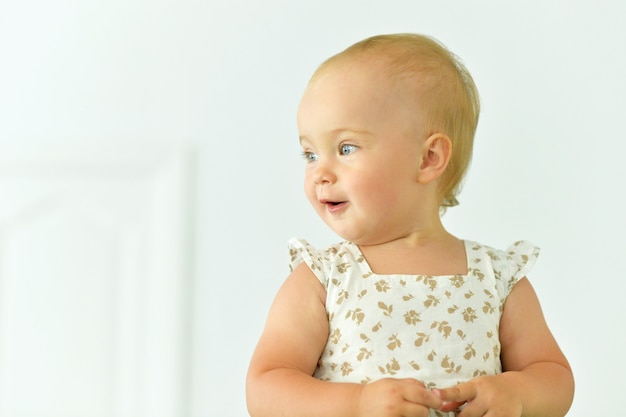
(429, 252)
(417, 239)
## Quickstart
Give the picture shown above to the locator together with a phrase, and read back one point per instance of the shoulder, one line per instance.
(508, 266)
(320, 261)
(517, 255)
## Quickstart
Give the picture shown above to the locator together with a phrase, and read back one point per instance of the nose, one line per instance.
(324, 172)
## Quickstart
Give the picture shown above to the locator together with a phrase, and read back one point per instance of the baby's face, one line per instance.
(362, 141)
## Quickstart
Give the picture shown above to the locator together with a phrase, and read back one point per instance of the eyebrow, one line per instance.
(339, 131)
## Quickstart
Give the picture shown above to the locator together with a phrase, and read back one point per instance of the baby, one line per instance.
(401, 318)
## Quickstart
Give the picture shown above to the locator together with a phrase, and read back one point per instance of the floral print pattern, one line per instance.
(441, 330)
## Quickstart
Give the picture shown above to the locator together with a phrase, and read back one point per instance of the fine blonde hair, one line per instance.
(446, 90)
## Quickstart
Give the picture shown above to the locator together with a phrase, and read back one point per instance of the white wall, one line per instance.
(224, 78)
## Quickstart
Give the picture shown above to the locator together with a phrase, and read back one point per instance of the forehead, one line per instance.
(355, 91)
(342, 91)
(351, 79)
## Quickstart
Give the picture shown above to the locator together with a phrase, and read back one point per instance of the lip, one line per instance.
(334, 206)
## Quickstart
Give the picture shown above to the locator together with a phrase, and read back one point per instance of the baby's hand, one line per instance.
(396, 398)
(480, 396)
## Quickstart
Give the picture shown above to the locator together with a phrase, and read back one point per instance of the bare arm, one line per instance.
(537, 379)
(280, 382)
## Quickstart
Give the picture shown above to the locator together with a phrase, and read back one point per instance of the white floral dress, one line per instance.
(441, 330)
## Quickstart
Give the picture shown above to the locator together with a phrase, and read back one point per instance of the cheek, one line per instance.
(386, 187)
(369, 190)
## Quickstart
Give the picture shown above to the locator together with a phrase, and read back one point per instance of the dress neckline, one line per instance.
(367, 269)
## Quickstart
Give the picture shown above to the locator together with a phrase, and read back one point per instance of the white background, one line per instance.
(223, 79)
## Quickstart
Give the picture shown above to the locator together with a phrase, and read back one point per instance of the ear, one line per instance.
(436, 153)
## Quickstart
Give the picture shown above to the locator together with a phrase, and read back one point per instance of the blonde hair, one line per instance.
(445, 86)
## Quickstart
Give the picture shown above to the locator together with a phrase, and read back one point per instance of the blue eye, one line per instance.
(309, 156)
(346, 149)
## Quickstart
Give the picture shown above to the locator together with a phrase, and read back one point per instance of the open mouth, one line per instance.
(334, 206)
(330, 202)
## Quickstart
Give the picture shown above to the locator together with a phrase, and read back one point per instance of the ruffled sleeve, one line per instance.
(301, 251)
(505, 267)
(521, 257)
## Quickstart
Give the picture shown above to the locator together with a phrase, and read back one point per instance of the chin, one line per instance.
(343, 234)
(356, 239)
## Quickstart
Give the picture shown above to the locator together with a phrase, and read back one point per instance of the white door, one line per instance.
(93, 280)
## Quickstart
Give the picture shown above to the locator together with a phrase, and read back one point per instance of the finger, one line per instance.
(451, 406)
(412, 381)
(423, 397)
(474, 409)
(459, 393)
(417, 393)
